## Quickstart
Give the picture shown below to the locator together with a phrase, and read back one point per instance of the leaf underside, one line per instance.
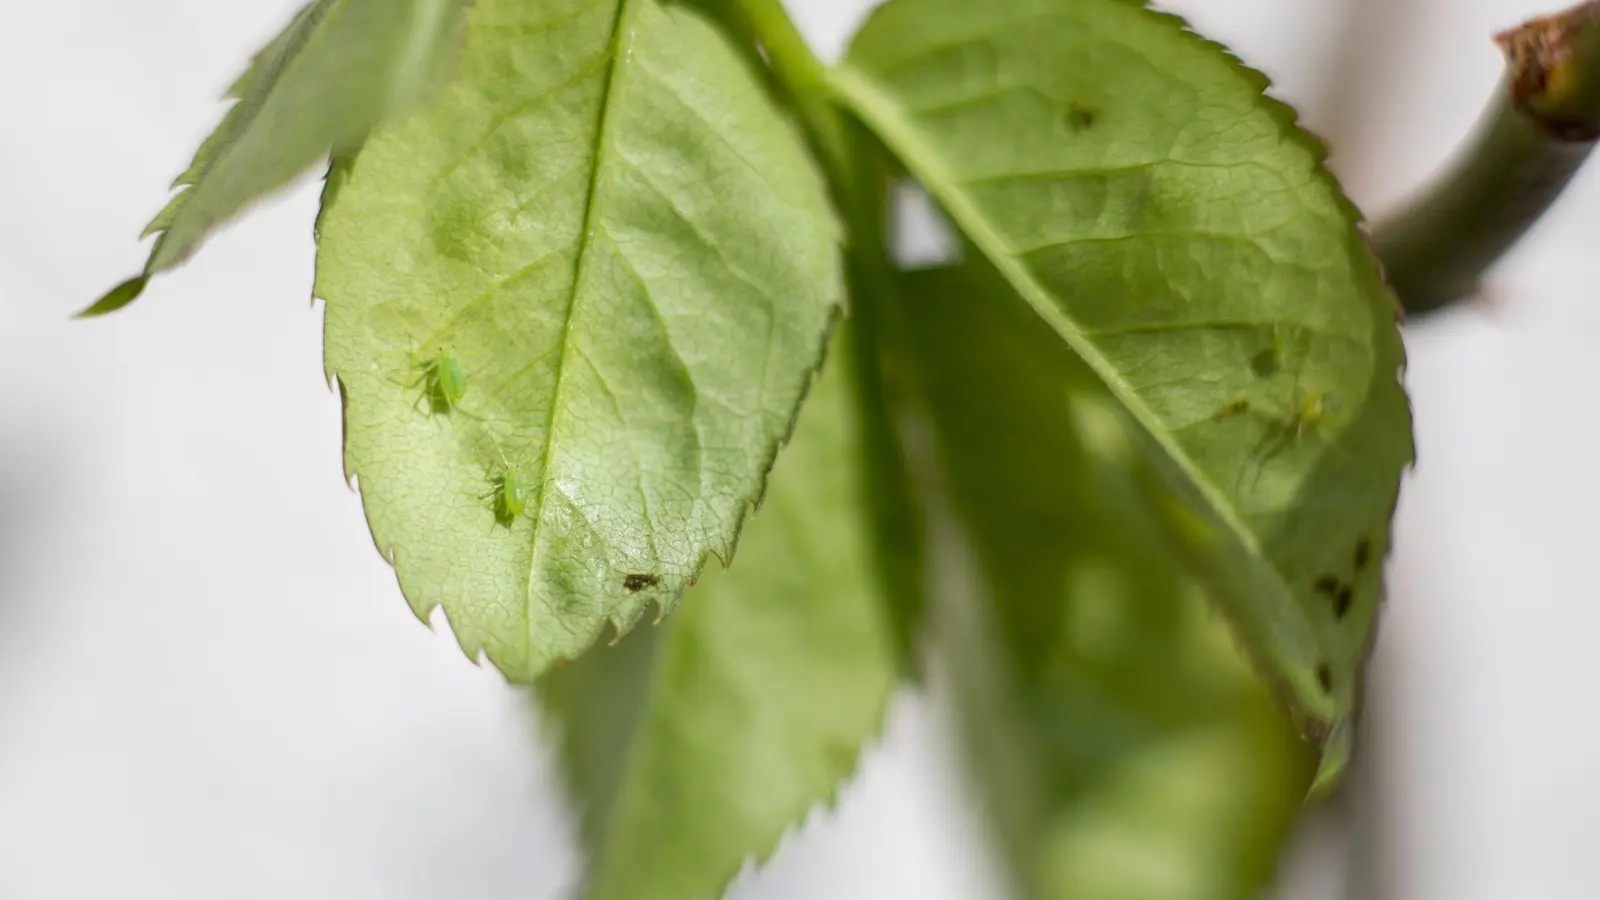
(1122, 748)
(333, 73)
(1178, 232)
(606, 225)
(694, 746)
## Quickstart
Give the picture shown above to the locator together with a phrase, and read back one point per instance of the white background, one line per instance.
(211, 687)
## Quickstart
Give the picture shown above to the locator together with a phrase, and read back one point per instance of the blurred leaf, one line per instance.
(333, 74)
(1125, 749)
(599, 268)
(695, 745)
(1177, 231)
(893, 496)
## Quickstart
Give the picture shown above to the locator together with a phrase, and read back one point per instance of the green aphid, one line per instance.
(443, 382)
(1306, 410)
(508, 494)
(1310, 409)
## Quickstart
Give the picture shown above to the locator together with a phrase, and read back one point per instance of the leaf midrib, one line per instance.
(881, 112)
(621, 36)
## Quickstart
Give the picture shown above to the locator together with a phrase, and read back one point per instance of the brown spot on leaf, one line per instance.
(637, 583)
(1081, 117)
(1232, 408)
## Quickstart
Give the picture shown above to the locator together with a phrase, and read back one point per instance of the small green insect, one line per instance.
(1307, 409)
(508, 493)
(1311, 408)
(443, 381)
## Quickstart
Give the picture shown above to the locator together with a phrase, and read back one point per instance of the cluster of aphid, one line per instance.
(442, 385)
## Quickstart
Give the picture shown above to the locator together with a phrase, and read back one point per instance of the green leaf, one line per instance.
(1123, 747)
(694, 746)
(607, 231)
(334, 73)
(1178, 232)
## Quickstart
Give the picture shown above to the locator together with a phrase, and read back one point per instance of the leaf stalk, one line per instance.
(1538, 130)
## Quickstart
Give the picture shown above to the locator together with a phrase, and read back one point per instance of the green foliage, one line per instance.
(695, 745)
(577, 294)
(1125, 749)
(1177, 232)
(337, 70)
(606, 221)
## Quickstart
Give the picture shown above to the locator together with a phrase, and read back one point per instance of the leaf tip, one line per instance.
(116, 298)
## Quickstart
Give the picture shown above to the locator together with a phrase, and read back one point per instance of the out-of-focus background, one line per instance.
(211, 687)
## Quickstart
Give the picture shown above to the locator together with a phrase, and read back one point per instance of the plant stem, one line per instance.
(858, 171)
(804, 78)
(1538, 130)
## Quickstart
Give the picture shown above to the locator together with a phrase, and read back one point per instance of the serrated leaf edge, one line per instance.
(820, 808)
(855, 90)
(622, 626)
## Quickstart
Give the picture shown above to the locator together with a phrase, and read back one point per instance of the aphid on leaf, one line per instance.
(1363, 553)
(443, 381)
(508, 493)
(637, 583)
(1307, 409)
(1311, 408)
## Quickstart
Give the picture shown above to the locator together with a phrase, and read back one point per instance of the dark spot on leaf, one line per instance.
(1341, 603)
(1363, 553)
(637, 583)
(1081, 117)
(1326, 584)
(1325, 676)
(1232, 408)
(1265, 364)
